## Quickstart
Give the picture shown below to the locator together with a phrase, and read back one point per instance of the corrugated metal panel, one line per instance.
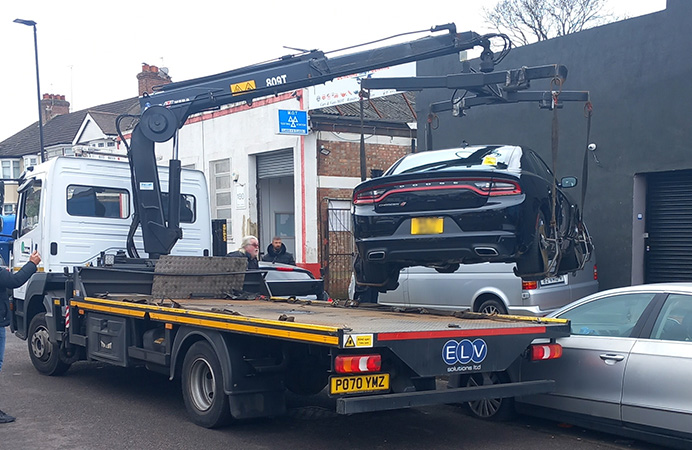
(275, 164)
(669, 224)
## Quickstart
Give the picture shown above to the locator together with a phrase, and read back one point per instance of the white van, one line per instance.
(489, 288)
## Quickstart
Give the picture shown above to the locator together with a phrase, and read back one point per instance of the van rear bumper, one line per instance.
(534, 311)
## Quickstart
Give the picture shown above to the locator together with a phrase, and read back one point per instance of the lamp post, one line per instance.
(31, 23)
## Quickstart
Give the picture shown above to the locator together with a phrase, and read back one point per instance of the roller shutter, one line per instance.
(669, 226)
(275, 164)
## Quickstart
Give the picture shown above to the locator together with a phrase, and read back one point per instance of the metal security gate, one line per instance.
(340, 248)
(275, 164)
(669, 227)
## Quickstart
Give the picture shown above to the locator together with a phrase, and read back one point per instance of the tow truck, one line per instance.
(177, 313)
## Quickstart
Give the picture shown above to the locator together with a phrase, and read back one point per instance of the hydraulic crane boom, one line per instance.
(166, 109)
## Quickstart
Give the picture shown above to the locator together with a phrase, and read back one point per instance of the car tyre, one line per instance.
(447, 268)
(533, 265)
(44, 354)
(383, 277)
(497, 409)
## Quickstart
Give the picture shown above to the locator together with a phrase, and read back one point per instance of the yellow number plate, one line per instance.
(427, 225)
(359, 383)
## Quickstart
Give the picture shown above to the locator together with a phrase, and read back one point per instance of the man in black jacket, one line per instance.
(276, 253)
(10, 280)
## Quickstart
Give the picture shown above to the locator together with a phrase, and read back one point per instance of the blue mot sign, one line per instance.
(293, 121)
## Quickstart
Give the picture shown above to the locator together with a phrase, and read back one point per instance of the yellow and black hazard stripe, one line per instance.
(246, 325)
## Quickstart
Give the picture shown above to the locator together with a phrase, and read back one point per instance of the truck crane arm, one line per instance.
(166, 109)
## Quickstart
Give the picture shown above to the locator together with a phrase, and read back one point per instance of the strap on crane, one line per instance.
(588, 112)
(556, 84)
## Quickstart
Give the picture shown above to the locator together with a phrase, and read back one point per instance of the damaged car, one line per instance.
(492, 203)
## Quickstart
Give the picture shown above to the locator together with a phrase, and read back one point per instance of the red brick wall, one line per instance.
(53, 105)
(343, 160)
(344, 157)
(149, 77)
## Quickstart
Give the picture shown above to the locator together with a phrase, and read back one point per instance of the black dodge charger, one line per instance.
(442, 208)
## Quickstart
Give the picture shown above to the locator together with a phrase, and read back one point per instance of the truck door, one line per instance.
(28, 226)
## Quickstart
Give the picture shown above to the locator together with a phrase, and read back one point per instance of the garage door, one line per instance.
(669, 226)
(275, 164)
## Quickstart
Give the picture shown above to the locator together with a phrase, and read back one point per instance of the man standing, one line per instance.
(276, 253)
(10, 280)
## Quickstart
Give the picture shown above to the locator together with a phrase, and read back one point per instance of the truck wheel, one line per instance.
(202, 382)
(45, 355)
(489, 408)
(492, 306)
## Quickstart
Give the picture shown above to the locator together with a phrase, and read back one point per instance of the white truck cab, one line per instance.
(72, 209)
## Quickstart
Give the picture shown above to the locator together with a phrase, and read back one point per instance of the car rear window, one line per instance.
(485, 158)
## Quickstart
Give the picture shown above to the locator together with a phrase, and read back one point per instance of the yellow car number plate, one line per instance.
(359, 383)
(427, 225)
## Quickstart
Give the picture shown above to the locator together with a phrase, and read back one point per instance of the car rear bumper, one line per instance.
(496, 246)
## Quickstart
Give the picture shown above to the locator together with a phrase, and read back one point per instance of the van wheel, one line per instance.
(202, 382)
(489, 408)
(492, 306)
(45, 355)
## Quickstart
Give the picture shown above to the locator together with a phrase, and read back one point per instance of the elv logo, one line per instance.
(464, 351)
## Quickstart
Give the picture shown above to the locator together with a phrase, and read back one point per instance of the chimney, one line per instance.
(151, 76)
(53, 105)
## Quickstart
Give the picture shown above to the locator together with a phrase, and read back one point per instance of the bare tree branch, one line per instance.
(526, 21)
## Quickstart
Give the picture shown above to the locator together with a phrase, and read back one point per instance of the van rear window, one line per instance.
(96, 201)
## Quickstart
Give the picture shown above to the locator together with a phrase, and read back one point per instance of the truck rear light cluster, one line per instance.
(357, 363)
(481, 186)
(540, 352)
(595, 272)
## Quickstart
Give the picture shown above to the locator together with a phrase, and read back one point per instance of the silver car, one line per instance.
(627, 366)
(488, 288)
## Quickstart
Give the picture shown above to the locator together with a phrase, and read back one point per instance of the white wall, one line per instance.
(242, 133)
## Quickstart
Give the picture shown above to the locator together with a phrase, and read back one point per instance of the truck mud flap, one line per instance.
(352, 405)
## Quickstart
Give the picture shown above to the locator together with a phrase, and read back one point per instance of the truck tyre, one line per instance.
(202, 383)
(492, 305)
(45, 355)
(499, 409)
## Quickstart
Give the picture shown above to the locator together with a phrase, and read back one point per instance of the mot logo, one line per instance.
(464, 352)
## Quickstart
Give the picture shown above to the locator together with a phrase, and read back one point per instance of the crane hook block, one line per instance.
(158, 123)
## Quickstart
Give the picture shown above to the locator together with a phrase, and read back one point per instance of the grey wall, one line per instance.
(639, 73)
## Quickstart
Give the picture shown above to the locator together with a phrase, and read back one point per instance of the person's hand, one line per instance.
(35, 257)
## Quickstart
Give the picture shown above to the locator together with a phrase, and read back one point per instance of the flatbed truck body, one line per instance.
(369, 357)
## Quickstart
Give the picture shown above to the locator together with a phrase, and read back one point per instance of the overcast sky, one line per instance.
(91, 51)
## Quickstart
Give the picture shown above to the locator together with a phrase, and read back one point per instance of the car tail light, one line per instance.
(357, 363)
(494, 188)
(481, 186)
(595, 272)
(539, 352)
(529, 285)
(284, 269)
